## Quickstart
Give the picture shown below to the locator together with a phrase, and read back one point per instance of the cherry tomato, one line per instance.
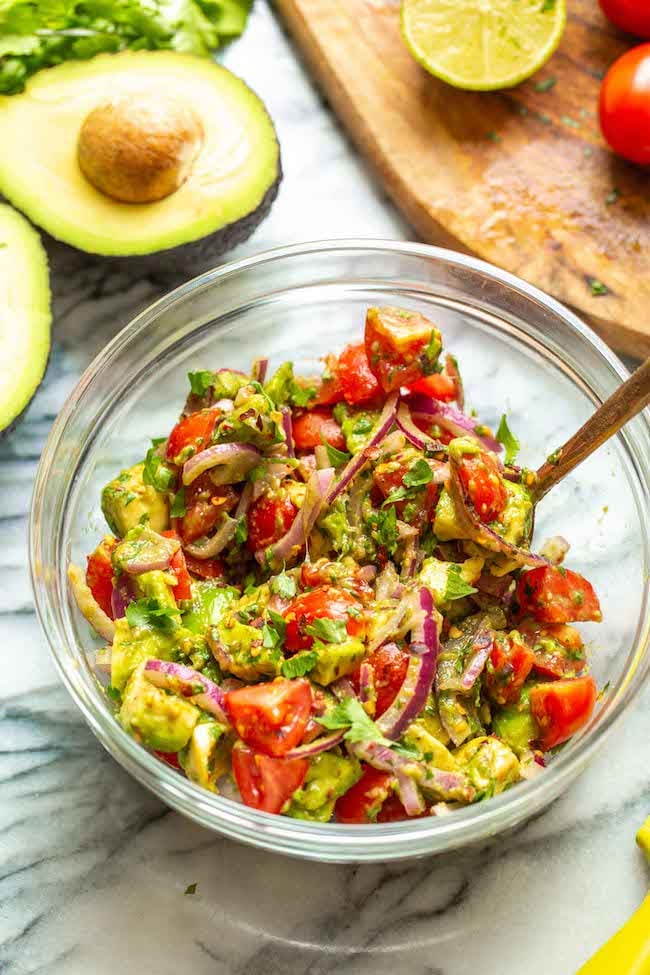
(510, 663)
(402, 346)
(356, 379)
(323, 573)
(269, 518)
(325, 602)
(99, 574)
(552, 594)
(205, 568)
(481, 479)
(169, 758)
(389, 476)
(625, 105)
(310, 428)
(363, 801)
(632, 16)
(204, 506)
(272, 717)
(562, 708)
(183, 587)
(438, 385)
(557, 648)
(194, 431)
(266, 783)
(330, 390)
(389, 664)
(393, 811)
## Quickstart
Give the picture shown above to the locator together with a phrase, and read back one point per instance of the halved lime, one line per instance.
(483, 44)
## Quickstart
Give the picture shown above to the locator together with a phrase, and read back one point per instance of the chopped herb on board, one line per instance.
(598, 288)
(190, 889)
(546, 84)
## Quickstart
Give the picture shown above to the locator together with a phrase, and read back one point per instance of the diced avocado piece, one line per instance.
(337, 659)
(227, 383)
(141, 544)
(355, 425)
(516, 725)
(212, 153)
(26, 317)
(207, 755)
(328, 777)
(446, 525)
(127, 501)
(157, 585)
(239, 650)
(253, 421)
(156, 719)
(210, 602)
(435, 575)
(280, 384)
(490, 765)
(430, 720)
(516, 522)
(432, 751)
(132, 646)
(337, 526)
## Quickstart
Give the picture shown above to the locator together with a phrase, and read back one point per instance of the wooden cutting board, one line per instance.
(521, 177)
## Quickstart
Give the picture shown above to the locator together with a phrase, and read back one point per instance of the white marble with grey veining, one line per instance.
(93, 869)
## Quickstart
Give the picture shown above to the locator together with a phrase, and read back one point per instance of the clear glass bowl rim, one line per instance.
(320, 841)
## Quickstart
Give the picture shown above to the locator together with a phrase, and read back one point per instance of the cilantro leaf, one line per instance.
(177, 508)
(241, 532)
(457, 588)
(419, 475)
(506, 437)
(190, 889)
(283, 585)
(156, 472)
(200, 381)
(274, 631)
(302, 395)
(386, 529)
(151, 615)
(327, 630)
(349, 714)
(335, 457)
(300, 664)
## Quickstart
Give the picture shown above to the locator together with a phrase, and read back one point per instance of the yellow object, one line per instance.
(628, 952)
(483, 44)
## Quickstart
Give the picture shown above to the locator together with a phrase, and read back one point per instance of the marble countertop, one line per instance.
(93, 868)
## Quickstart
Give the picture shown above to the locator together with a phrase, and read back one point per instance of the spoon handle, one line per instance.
(628, 400)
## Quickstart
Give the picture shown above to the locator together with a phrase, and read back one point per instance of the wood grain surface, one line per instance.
(521, 177)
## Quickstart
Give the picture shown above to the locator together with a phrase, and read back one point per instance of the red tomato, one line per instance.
(552, 594)
(99, 574)
(323, 573)
(389, 475)
(205, 568)
(479, 474)
(355, 377)
(330, 390)
(625, 105)
(266, 783)
(402, 346)
(393, 811)
(562, 708)
(271, 718)
(309, 428)
(204, 505)
(169, 758)
(558, 649)
(438, 385)
(269, 518)
(510, 663)
(632, 16)
(325, 602)
(194, 430)
(183, 587)
(389, 665)
(363, 801)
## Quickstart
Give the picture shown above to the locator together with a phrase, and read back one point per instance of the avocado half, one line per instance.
(140, 153)
(25, 316)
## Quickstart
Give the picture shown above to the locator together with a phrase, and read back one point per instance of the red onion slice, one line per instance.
(418, 681)
(317, 746)
(234, 461)
(451, 419)
(287, 426)
(208, 548)
(417, 437)
(152, 552)
(410, 795)
(475, 665)
(376, 435)
(188, 683)
(390, 627)
(259, 370)
(296, 538)
(121, 596)
(367, 683)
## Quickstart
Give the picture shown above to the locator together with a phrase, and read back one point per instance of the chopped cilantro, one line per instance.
(156, 472)
(274, 632)
(571, 122)
(302, 395)
(494, 136)
(190, 889)
(300, 664)
(327, 630)
(613, 196)
(113, 693)
(506, 437)
(241, 532)
(177, 508)
(150, 614)
(419, 475)
(547, 6)
(386, 527)
(597, 287)
(457, 588)
(546, 84)
(200, 381)
(283, 585)
(350, 714)
(336, 457)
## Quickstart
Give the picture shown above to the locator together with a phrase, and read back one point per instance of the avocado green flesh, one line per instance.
(233, 175)
(25, 316)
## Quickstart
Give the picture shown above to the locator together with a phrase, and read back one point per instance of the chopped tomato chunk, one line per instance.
(310, 429)
(192, 431)
(269, 518)
(482, 480)
(267, 783)
(169, 758)
(562, 708)
(205, 568)
(389, 664)
(510, 663)
(99, 574)
(204, 506)
(553, 594)
(362, 802)
(356, 379)
(438, 385)
(325, 603)
(183, 587)
(402, 346)
(393, 811)
(272, 717)
(558, 649)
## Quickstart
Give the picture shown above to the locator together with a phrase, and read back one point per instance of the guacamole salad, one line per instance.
(317, 593)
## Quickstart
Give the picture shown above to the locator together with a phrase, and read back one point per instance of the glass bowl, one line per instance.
(520, 352)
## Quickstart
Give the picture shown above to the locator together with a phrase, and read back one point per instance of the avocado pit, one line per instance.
(139, 148)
